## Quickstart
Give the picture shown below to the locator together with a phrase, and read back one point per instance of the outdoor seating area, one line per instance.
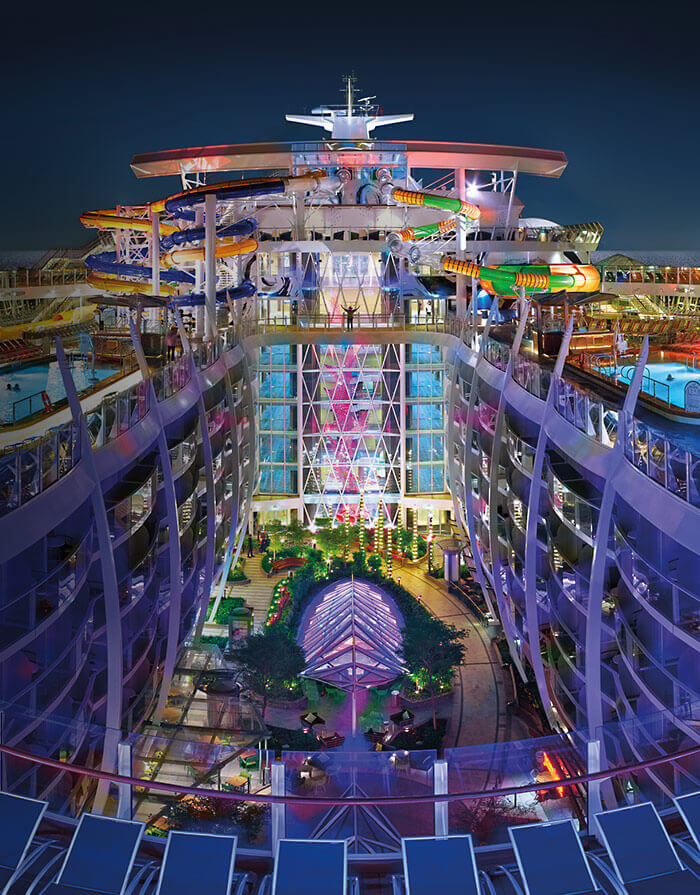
(13, 350)
(287, 562)
(110, 856)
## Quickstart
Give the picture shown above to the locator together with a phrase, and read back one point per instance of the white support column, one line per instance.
(110, 586)
(531, 607)
(510, 202)
(199, 277)
(300, 426)
(479, 563)
(155, 252)
(278, 809)
(473, 304)
(599, 563)
(210, 263)
(497, 563)
(441, 788)
(152, 315)
(461, 185)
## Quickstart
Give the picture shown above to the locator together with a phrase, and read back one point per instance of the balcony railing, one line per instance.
(682, 276)
(670, 464)
(16, 279)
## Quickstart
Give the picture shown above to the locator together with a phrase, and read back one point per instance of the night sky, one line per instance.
(613, 86)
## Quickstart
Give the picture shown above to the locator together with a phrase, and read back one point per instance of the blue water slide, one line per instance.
(243, 190)
(245, 290)
(106, 262)
(244, 227)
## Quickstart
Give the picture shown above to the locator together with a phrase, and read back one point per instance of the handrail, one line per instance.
(26, 398)
(429, 798)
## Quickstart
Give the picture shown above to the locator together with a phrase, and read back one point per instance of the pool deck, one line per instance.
(38, 426)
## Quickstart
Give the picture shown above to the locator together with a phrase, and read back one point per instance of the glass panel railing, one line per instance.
(116, 414)
(670, 464)
(585, 410)
(213, 777)
(34, 465)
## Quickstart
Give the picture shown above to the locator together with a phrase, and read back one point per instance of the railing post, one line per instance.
(3, 763)
(124, 769)
(441, 788)
(277, 788)
(593, 803)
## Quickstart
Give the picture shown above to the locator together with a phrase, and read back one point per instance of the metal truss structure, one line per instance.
(351, 636)
(351, 433)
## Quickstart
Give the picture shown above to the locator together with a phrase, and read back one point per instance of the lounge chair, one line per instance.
(689, 808)
(551, 859)
(642, 853)
(433, 866)
(197, 862)
(19, 820)
(310, 867)
(100, 857)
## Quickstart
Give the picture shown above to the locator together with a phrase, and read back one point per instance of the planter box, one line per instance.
(407, 703)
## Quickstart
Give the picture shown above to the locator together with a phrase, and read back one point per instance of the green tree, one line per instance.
(270, 661)
(295, 534)
(431, 650)
(374, 561)
(275, 531)
(359, 562)
(329, 538)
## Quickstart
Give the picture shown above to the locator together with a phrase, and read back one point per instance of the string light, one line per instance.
(346, 539)
(361, 524)
(389, 554)
(380, 528)
(430, 543)
(414, 541)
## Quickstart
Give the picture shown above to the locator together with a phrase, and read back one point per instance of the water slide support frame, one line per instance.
(210, 263)
(461, 296)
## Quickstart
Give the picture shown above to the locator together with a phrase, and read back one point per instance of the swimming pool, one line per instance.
(16, 402)
(656, 381)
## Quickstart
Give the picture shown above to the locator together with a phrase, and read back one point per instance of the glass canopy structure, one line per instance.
(351, 636)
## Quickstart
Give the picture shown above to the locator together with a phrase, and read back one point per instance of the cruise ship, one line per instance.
(368, 333)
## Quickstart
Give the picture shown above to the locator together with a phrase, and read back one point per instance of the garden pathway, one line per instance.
(479, 713)
(257, 594)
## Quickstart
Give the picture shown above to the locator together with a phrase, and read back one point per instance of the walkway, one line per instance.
(257, 594)
(478, 713)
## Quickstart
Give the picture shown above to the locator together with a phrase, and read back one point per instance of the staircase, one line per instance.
(53, 307)
(645, 305)
(257, 594)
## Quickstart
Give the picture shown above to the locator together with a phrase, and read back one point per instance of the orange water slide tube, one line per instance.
(110, 220)
(224, 249)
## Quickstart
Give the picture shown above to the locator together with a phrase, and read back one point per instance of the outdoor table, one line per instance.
(238, 783)
(249, 759)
